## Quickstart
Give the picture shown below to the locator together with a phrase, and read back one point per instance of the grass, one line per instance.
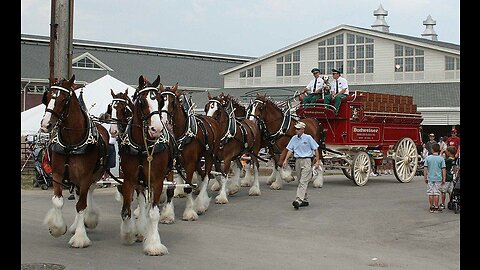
(26, 181)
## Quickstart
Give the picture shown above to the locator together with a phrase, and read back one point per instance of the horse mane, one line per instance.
(234, 100)
(270, 100)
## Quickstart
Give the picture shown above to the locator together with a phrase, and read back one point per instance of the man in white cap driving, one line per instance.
(303, 147)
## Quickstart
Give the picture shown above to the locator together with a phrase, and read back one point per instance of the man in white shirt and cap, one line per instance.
(314, 88)
(304, 149)
(338, 90)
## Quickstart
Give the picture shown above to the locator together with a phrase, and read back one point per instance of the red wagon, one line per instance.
(383, 124)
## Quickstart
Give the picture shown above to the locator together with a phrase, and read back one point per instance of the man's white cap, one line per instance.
(300, 125)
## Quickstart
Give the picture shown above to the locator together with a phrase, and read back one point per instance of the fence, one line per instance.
(27, 165)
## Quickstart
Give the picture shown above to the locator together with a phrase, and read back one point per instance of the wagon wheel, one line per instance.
(361, 168)
(347, 173)
(405, 160)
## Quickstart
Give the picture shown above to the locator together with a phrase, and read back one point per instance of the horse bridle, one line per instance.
(139, 100)
(63, 114)
(164, 97)
(127, 109)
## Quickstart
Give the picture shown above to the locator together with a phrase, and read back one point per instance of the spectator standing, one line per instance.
(431, 141)
(454, 141)
(434, 175)
(451, 167)
(443, 146)
(303, 147)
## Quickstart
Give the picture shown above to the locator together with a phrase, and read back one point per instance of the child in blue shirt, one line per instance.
(434, 174)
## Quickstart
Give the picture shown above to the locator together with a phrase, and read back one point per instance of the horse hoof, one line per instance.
(159, 251)
(275, 186)
(167, 220)
(57, 232)
(221, 200)
(140, 238)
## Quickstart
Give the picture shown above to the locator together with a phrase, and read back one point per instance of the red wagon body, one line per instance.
(367, 121)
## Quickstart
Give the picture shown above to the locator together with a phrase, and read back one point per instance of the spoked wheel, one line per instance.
(347, 173)
(405, 160)
(361, 168)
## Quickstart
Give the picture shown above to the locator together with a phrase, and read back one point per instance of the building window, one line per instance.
(32, 88)
(258, 71)
(359, 52)
(452, 63)
(86, 63)
(251, 72)
(289, 64)
(408, 59)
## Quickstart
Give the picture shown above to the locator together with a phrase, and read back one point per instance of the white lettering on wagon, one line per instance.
(355, 129)
(366, 133)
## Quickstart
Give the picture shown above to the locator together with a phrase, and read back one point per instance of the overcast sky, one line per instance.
(238, 27)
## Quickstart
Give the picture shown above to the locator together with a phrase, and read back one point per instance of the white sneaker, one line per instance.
(373, 174)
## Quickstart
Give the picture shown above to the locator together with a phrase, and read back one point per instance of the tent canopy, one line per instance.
(95, 94)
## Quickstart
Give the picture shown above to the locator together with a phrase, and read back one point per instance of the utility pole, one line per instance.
(61, 38)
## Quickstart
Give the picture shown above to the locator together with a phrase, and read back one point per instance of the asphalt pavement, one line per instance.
(382, 225)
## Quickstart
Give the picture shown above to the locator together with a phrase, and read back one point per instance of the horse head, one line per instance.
(146, 100)
(57, 100)
(256, 108)
(215, 105)
(240, 110)
(121, 111)
(169, 102)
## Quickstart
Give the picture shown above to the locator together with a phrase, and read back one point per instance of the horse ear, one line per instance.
(72, 80)
(140, 81)
(44, 98)
(156, 82)
(175, 87)
(126, 91)
(209, 96)
(111, 92)
(161, 87)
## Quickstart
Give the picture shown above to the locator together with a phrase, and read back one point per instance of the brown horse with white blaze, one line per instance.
(278, 126)
(198, 138)
(239, 137)
(146, 159)
(78, 158)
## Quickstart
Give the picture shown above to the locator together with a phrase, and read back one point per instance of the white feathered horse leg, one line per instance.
(141, 217)
(152, 245)
(255, 189)
(222, 196)
(92, 213)
(203, 200)
(179, 191)
(277, 184)
(54, 218)
(167, 215)
(247, 179)
(234, 186)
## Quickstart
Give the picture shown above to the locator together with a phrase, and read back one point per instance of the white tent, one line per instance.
(95, 94)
